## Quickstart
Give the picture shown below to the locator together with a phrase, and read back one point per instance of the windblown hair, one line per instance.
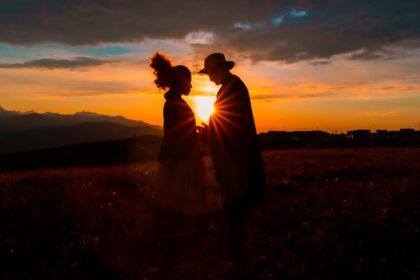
(163, 70)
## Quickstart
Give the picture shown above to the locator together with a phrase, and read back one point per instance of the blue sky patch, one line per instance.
(18, 54)
(109, 50)
(295, 13)
(277, 21)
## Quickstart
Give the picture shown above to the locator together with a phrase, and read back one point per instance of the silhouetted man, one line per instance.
(235, 151)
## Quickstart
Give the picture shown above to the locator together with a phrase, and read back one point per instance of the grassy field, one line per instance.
(330, 214)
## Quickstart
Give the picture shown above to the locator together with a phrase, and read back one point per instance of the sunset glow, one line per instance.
(203, 106)
(303, 72)
(213, 140)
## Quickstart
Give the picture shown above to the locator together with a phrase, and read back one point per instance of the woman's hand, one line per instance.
(203, 132)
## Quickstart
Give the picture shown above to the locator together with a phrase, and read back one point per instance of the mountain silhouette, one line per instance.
(6, 114)
(27, 122)
(32, 131)
(18, 121)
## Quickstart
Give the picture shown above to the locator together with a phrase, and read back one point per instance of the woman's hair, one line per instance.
(166, 74)
(182, 72)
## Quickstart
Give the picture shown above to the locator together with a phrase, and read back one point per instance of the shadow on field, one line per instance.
(42, 237)
(330, 214)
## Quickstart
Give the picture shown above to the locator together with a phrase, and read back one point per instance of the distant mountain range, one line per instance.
(25, 131)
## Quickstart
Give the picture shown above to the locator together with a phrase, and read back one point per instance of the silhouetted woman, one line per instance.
(180, 196)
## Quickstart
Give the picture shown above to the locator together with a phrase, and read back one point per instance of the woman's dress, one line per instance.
(180, 203)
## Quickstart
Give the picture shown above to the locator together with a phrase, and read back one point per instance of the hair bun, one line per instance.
(163, 70)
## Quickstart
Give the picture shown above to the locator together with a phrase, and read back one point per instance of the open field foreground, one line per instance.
(330, 214)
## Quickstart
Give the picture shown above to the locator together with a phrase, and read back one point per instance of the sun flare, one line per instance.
(204, 107)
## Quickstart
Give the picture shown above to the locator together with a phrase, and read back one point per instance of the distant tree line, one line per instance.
(405, 137)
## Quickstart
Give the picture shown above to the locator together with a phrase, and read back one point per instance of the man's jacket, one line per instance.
(234, 145)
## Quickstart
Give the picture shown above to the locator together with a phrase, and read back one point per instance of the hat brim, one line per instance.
(227, 65)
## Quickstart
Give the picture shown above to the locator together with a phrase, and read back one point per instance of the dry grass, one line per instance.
(330, 214)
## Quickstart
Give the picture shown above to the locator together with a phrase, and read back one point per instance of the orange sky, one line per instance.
(342, 95)
(329, 65)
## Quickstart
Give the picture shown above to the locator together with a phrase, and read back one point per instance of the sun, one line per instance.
(204, 107)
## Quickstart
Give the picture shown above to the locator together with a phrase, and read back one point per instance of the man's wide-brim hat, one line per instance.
(216, 61)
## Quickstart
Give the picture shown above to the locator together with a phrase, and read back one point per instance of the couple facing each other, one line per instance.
(233, 144)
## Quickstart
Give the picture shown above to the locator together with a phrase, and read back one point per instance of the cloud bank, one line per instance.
(286, 30)
(49, 63)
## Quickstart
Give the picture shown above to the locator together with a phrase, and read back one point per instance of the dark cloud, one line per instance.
(50, 63)
(336, 27)
(268, 30)
(81, 22)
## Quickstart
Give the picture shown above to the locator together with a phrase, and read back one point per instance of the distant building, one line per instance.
(405, 137)
(359, 134)
(407, 132)
(286, 139)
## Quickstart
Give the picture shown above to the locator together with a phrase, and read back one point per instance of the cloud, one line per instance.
(286, 30)
(366, 54)
(243, 26)
(90, 88)
(381, 114)
(370, 29)
(49, 63)
(269, 97)
(320, 62)
(200, 38)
